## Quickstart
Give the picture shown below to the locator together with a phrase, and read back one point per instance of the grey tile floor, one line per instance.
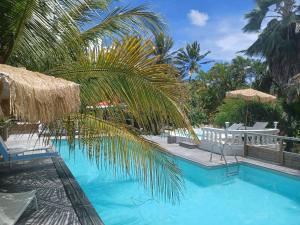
(40, 175)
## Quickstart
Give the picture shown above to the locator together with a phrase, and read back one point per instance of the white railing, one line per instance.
(254, 138)
(236, 137)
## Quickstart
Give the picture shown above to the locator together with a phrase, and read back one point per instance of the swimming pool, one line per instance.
(255, 197)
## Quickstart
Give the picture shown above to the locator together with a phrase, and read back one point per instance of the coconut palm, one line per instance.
(189, 60)
(279, 41)
(50, 36)
(163, 45)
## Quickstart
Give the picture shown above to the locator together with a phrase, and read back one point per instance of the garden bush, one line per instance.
(235, 111)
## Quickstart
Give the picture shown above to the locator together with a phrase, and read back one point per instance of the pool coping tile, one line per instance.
(202, 157)
(85, 211)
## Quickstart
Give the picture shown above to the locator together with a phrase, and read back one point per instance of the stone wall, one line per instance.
(288, 159)
(291, 160)
(265, 154)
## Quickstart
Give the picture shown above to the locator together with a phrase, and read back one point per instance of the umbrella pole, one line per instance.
(246, 119)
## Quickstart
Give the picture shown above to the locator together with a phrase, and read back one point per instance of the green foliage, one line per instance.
(198, 116)
(236, 110)
(293, 117)
(208, 90)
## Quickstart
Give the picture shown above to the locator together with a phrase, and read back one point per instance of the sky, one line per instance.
(215, 24)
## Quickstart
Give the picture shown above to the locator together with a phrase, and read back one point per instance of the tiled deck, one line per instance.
(203, 157)
(60, 201)
(40, 175)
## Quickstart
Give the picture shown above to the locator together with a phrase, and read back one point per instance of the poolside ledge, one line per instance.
(202, 157)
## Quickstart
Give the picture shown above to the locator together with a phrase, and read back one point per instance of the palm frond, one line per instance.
(33, 30)
(128, 72)
(86, 11)
(125, 20)
(114, 145)
(259, 14)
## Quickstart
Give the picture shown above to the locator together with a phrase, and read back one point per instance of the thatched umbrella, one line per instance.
(250, 94)
(33, 97)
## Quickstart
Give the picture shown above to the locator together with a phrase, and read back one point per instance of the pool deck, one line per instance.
(203, 157)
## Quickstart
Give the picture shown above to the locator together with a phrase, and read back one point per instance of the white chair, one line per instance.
(12, 205)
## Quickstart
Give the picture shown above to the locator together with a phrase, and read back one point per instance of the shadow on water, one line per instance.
(203, 177)
(281, 184)
(273, 181)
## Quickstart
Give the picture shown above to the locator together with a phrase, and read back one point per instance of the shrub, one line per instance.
(197, 116)
(235, 111)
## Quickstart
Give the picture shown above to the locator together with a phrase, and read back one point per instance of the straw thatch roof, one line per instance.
(251, 94)
(32, 96)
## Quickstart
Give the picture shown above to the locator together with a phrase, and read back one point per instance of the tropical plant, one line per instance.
(49, 36)
(189, 60)
(236, 110)
(279, 41)
(208, 89)
(163, 45)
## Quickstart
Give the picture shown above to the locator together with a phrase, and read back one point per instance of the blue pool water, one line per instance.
(254, 197)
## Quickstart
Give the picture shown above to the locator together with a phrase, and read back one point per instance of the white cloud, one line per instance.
(197, 18)
(233, 42)
(223, 37)
(230, 38)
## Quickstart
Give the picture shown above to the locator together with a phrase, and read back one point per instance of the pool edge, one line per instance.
(84, 210)
(294, 173)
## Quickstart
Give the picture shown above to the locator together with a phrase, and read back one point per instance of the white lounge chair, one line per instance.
(25, 153)
(235, 126)
(256, 126)
(12, 206)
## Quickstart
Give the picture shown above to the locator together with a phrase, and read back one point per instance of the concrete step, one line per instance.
(188, 145)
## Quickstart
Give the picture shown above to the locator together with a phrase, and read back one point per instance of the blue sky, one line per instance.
(216, 24)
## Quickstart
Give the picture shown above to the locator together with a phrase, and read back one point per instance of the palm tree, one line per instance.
(279, 41)
(163, 45)
(189, 60)
(49, 36)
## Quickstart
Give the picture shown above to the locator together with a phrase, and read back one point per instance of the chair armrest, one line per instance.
(17, 151)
